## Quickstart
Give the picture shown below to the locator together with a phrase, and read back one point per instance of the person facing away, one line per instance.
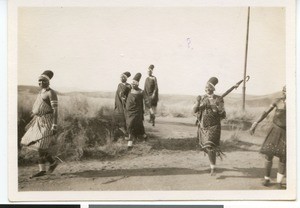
(275, 141)
(135, 112)
(151, 94)
(42, 129)
(120, 102)
(210, 110)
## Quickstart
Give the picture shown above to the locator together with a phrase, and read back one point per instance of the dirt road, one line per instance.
(171, 162)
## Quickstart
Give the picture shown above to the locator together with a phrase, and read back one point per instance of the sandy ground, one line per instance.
(176, 166)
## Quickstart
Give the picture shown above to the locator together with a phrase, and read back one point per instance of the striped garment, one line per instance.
(40, 126)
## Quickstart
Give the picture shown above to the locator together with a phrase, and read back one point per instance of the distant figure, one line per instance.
(275, 142)
(151, 94)
(41, 131)
(210, 111)
(120, 102)
(135, 111)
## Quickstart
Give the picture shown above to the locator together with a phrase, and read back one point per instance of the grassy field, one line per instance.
(87, 128)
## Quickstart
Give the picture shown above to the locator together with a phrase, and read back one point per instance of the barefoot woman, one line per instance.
(210, 111)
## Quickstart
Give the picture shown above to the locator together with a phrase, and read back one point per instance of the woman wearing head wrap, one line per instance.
(275, 142)
(120, 102)
(151, 94)
(42, 129)
(210, 109)
(135, 111)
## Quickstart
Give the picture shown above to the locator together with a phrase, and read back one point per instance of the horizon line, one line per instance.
(107, 91)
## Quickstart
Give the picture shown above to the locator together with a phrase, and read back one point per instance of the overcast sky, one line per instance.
(88, 48)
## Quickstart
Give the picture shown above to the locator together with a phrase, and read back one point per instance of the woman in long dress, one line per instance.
(120, 102)
(151, 94)
(41, 131)
(135, 111)
(210, 111)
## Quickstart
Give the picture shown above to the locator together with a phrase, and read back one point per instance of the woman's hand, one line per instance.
(204, 103)
(253, 127)
(54, 129)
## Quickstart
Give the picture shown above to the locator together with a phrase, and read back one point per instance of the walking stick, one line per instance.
(234, 87)
(35, 141)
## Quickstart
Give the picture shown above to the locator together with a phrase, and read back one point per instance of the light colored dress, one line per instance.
(40, 126)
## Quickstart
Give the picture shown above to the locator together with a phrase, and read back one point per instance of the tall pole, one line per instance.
(246, 56)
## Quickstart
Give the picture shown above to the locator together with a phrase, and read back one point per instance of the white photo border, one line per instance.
(15, 195)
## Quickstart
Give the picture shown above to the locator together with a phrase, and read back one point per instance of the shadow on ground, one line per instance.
(140, 172)
(192, 144)
(248, 173)
(237, 145)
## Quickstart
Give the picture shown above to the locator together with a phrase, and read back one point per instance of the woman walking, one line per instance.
(135, 111)
(42, 129)
(210, 110)
(120, 102)
(275, 142)
(151, 94)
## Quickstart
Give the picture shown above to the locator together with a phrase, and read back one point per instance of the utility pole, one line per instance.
(246, 56)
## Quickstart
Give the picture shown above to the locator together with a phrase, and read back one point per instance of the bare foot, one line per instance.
(212, 172)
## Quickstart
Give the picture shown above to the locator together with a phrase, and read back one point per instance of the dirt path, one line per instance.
(173, 164)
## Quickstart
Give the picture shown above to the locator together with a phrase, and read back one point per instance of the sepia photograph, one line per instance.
(161, 101)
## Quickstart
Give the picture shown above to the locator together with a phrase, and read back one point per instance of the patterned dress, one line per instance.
(150, 89)
(135, 112)
(40, 126)
(120, 102)
(209, 124)
(275, 142)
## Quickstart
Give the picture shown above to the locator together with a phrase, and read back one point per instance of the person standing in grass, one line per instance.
(120, 102)
(135, 112)
(41, 131)
(210, 110)
(151, 94)
(275, 142)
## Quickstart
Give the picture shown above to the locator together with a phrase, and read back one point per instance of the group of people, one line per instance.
(129, 105)
(129, 114)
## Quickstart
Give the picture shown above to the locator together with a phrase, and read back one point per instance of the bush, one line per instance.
(84, 124)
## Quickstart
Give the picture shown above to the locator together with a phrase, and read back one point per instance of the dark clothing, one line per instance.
(209, 123)
(275, 142)
(151, 88)
(120, 102)
(135, 112)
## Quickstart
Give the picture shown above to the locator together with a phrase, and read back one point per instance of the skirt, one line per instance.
(209, 139)
(39, 129)
(275, 142)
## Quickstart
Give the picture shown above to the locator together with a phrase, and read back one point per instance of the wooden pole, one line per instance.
(246, 56)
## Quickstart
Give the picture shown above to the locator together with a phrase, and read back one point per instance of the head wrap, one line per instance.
(127, 74)
(47, 74)
(137, 78)
(151, 67)
(213, 81)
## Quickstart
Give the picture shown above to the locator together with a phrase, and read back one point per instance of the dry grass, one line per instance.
(87, 128)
